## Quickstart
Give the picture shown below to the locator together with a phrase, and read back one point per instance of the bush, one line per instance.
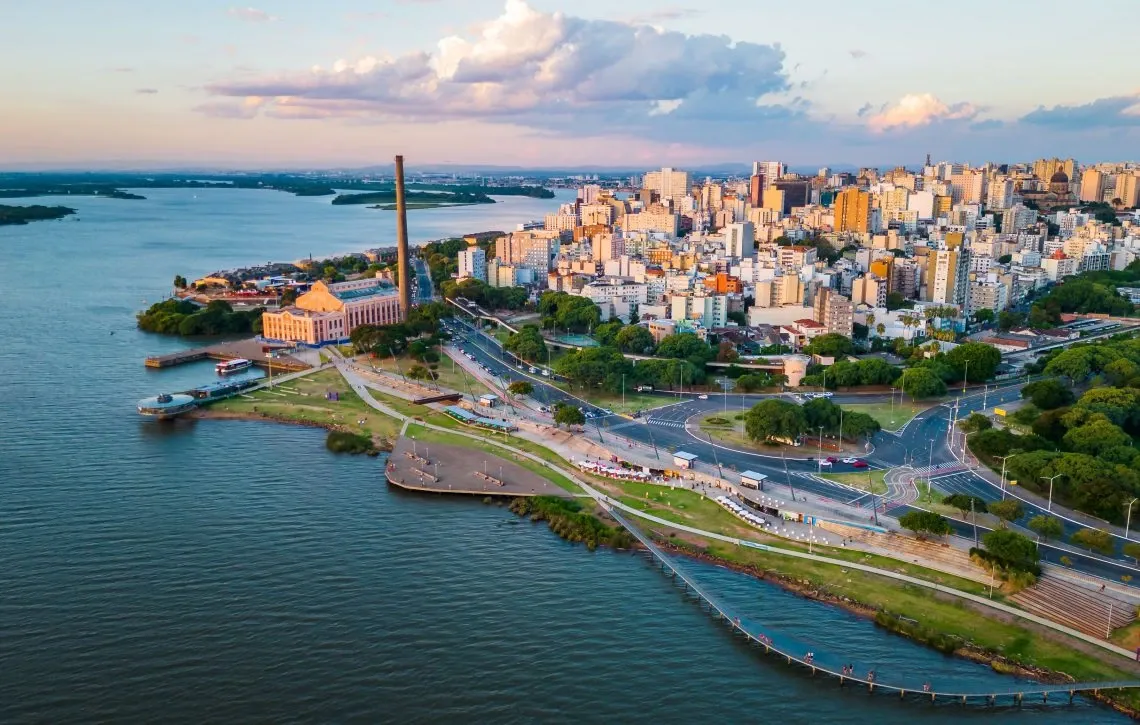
(566, 518)
(339, 441)
(717, 421)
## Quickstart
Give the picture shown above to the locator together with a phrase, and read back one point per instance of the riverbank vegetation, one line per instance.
(567, 518)
(342, 441)
(185, 318)
(12, 215)
(414, 197)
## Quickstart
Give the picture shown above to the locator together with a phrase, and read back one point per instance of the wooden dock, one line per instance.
(250, 349)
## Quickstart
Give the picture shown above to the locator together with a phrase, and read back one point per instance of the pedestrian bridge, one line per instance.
(834, 666)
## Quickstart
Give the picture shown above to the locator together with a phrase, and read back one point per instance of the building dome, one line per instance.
(1059, 178)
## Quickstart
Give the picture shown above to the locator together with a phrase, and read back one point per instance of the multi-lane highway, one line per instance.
(924, 442)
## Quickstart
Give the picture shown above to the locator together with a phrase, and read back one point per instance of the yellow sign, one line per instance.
(1013, 483)
(999, 411)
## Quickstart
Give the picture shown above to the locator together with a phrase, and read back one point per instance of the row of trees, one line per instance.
(389, 340)
(483, 294)
(182, 317)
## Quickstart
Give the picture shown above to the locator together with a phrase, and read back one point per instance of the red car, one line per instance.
(860, 464)
(831, 459)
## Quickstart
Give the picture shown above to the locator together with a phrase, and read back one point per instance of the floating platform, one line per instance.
(166, 406)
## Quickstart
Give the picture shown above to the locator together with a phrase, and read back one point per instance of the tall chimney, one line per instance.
(402, 242)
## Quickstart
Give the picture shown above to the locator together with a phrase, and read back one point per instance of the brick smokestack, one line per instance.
(402, 242)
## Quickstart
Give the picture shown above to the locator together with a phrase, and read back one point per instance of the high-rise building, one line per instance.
(947, 276)
(608, 246)
(589, 193)
(999, 195)
(1127, 188)
(740, 240)
(597, 214)
(1093, 184)
(1045, 169)
(835, 312)
(473, 263)
(756, 191)
(852, 211)
(668, 183)
(770, 170)
(532, 250)
(1017, 218)
(796, 193)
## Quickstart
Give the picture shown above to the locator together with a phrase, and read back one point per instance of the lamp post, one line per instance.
(965, 376)
(820, 461)
(1050, 479)
(1128, 519)
(1003, 460)
(623, 391)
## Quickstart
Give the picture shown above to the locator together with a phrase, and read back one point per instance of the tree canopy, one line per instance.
(978, 361)
(925, 522)
(527, 344)
(831, 344)
(922, 383)
(775, 420)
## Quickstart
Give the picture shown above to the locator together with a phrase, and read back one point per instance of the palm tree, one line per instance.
(880, 328)
(870, 319)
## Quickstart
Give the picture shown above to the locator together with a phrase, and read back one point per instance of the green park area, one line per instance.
(891, 417)
(622, 405)
(870, 480)
(427, 435)
(448, 373)
(307, 400)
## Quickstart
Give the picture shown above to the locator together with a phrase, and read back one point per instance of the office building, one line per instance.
(852, 211)
(1093, 184)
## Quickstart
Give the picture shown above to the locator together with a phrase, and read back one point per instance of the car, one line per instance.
(832, 459)
(850, 460)
(825, 463)
(827, 395)
(546, 373)
(702, 396)
(532, 370)
(607, 411)
(860, 464)
(590, 414)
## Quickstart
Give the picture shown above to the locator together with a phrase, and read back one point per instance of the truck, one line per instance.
(645, 388)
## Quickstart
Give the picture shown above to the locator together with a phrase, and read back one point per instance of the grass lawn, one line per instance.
(303, 400)
(891, 417)
(613, 401)
(950, 617)
(433, 436)
(679, 505)
(450, 374)
(871, 480)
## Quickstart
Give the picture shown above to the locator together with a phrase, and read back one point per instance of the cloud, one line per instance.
(919, 109)
(251, 15)
(857, 54)
(664, 15)
(544, 71)
(146, 91)
(245, 108)
(864, 110)
(123, 69)
(1111, 112)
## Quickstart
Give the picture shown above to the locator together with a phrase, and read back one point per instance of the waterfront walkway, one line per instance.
(830, 664)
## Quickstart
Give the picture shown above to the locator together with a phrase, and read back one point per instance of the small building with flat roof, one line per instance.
(489, 400)
(682, 459)
(752, 479)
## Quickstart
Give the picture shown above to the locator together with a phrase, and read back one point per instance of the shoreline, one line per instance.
(381, 443)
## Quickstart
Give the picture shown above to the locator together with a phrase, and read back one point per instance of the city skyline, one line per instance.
(547, 84)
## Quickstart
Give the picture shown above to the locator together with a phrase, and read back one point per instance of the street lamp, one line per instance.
(820, 466)
(1050, 479)
(1128, 520)
(1003, 460)
(965, 376)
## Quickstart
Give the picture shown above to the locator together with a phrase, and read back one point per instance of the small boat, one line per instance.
(228, 367)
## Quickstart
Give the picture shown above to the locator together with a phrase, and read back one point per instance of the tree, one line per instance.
(1119, 405)
(179, 282)
(895, 301)
(521, 387)
(965, 503)
(752, 382)
(977, 360)
(1008, 319)
(684, 346)
(775, 419)
(568, 415)
(830, 345)
(922, 383)
(983, 316)
(419, 372)
(527, 343)
(975, 422)
(1047, 527)
(726, 352)
(1094, 540)
(1047, 394)
(1132, 550)
(634, 339)
(593, 367)
(1007, 510)
(1096, 437)
(925, 522)
(1011, 550)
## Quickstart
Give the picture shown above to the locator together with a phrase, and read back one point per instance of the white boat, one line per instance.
(228, 367)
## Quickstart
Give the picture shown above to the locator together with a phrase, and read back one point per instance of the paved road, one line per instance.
(424, 289)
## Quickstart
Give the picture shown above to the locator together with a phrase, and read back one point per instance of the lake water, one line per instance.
(235, 571)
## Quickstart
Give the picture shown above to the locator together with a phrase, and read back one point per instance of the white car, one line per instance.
(850, 460)
(825, 464)
(703, 397)
(546, 373)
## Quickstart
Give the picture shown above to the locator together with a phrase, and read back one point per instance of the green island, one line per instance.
(185, 318)
(11, 215)
(415, 198)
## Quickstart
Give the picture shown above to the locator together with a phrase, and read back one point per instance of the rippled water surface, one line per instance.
(227, 571)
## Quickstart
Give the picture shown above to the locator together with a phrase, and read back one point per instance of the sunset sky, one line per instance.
(126, 83)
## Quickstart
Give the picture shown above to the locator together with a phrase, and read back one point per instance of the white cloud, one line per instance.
(251, 15)
(919, 109)
(544, 70)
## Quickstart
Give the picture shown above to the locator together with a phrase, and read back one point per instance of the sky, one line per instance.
(549, 83)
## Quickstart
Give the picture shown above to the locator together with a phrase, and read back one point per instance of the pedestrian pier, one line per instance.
(831, 665)
(251, 349)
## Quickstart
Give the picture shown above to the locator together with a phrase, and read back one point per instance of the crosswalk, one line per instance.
(939, 469)
(667, 423)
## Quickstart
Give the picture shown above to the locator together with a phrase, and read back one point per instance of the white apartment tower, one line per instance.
(473, 263)
(740, 240)
(669, 183)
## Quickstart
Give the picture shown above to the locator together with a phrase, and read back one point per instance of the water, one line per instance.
(235, 571)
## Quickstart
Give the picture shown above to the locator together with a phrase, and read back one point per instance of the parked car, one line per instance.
(702, 396)
(850, 460)
(825, 463)
(832, 459)
(860, 464)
